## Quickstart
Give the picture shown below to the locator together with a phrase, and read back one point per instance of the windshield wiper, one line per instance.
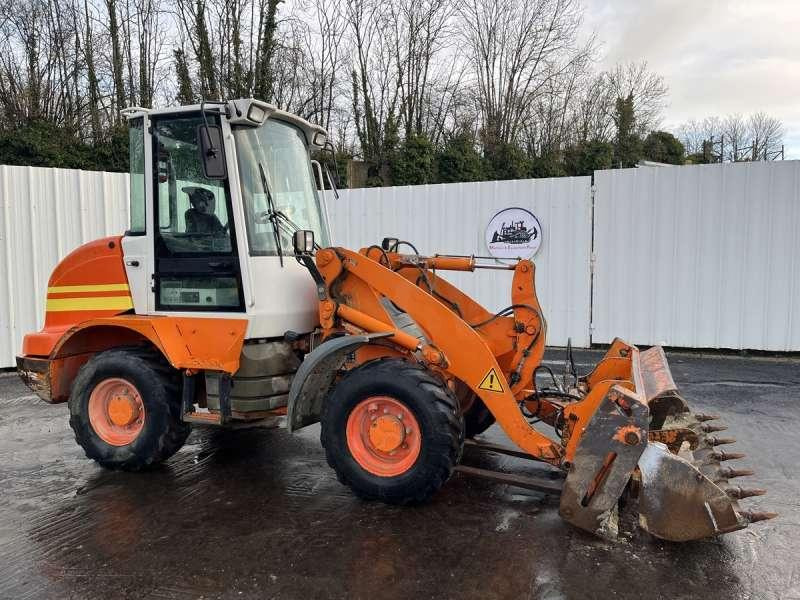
(292, 225)
(273, 214)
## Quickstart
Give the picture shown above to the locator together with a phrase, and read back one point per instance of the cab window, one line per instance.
(137, 177)
(193, 212)
(197, 266)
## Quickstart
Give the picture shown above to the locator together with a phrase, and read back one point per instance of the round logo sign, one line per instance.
(513, 233)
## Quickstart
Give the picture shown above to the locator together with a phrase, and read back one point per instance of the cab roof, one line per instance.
(230, 108)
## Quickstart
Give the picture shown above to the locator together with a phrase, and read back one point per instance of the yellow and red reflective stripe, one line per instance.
(118, 303)
(95, 297)
(125, 293)
(106, 287)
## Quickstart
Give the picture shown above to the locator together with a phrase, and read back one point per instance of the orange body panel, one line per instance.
(187, 342)
(192, 343)
(88, 283)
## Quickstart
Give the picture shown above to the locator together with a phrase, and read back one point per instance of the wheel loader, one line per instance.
(224, 304)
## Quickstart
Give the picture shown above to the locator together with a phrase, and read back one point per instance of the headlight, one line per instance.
(319, 139)
(256, 113)
(303, 241)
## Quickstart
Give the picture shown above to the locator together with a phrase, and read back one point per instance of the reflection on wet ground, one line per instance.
(259, 514)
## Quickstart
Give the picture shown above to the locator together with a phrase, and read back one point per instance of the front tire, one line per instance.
(125, 409)
(392, 431)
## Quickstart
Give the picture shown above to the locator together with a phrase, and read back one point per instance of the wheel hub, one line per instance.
(122, 410)
(116, 411)
(383, 436)
(387, 433)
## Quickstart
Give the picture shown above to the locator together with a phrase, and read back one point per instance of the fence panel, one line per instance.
(451, 218)
(703, 256)
(44, 215)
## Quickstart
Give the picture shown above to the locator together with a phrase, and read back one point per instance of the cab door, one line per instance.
(196, 269)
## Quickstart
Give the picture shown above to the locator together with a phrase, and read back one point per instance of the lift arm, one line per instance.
(451, 345)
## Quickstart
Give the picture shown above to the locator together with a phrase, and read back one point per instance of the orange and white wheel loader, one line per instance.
(225, 305)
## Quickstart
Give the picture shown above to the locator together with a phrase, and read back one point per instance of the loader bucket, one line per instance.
(644, 450)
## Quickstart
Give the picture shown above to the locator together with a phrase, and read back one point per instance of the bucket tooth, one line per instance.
(741, 493)
(728, 473)
(712, 428)
(701, 417)
(755, 517)
(722, 456)
(715, 441)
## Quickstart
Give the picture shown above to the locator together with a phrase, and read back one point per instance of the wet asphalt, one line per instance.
(258, 514)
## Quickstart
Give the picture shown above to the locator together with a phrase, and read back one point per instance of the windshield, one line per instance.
(281, 150)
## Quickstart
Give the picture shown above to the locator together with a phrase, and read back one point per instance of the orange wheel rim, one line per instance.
(383, 436)
(116, 411)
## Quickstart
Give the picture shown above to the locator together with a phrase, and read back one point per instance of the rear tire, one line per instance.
(477, 418)
(407, 469)
(156, 430)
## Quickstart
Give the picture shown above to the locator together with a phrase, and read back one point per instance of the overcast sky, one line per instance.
(717, 57)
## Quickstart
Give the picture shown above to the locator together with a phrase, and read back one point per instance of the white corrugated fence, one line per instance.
(452, 218)
(704, 256)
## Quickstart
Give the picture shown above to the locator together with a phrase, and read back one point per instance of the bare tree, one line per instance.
(766, 133)
(648, 89)
(734, 138)
(516, 48)
(322, 47)
(420, 30)
(592, 113)
(116, 54)
(267, 27)
(373, 81)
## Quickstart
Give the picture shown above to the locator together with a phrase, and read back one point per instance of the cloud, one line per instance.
(717, 57)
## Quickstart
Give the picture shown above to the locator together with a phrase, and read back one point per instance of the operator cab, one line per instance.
(217, 191)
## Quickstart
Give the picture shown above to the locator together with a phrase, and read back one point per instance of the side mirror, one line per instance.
(303, 242)
(212, 154)
(389, 244)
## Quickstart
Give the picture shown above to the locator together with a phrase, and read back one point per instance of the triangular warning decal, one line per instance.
(491, 383)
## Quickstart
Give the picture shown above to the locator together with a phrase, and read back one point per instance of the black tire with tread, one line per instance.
(433, 405)
(477, 418)
(159, 385)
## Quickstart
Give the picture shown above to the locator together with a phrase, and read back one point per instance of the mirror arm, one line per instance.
(308, 262)
(332, 177)
(212, 150)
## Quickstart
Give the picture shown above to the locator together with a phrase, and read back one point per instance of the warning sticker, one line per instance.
(491, 382)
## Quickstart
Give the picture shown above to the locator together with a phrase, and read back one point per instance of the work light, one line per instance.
(303, 241)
